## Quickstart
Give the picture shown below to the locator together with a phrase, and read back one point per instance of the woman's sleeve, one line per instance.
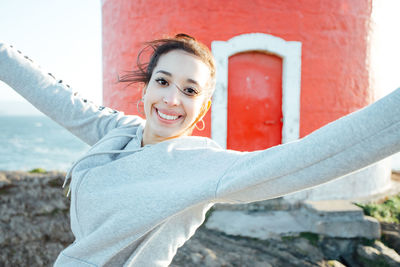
(339, 148)
(57, 100)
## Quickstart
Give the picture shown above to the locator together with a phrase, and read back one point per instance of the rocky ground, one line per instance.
(34, 228)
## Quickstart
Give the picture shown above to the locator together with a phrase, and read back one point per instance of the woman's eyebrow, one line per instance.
(169, 74)
(165, 72)
(193, 81)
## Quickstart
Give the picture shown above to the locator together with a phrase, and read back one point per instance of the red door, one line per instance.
(254, 101)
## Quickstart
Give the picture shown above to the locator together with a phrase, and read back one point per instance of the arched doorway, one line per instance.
(289, 52)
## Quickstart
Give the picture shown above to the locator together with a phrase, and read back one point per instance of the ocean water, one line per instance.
(28, 142)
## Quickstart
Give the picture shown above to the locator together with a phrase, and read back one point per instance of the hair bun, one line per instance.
(185, 36)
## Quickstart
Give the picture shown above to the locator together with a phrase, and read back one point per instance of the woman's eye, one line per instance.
(191, 91)
(161, 81)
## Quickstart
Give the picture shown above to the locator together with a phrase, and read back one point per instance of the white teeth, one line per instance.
(167, 117)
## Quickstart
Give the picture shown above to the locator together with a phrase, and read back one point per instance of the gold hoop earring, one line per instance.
(203, 126)
(137, 107)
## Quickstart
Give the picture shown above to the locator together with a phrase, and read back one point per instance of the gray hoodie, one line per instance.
(135, 206)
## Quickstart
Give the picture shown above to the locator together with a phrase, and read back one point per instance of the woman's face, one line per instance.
(175, 96)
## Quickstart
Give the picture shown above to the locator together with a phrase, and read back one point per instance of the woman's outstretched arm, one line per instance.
(83, 118)
(339, 148)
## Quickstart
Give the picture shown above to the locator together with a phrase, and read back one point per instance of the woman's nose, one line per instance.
(172, 96)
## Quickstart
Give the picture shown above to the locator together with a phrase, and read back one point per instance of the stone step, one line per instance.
(334, 210)
(338, 218)
(261, 225)
(335, 218)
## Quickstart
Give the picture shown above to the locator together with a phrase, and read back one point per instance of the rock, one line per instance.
(391, 235)
(196, 257)
(34, 219)
(4, 182)
(378, 255)
(34, 228)
(367, 252)
(334, 263)
(388, 253)
(214, 248)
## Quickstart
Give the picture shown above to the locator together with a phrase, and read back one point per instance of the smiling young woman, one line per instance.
(175, 98)
(145, 186)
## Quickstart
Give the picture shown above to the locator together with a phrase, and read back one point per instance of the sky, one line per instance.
(62, 36)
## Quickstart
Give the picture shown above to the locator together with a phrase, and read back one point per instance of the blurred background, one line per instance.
(63, 37)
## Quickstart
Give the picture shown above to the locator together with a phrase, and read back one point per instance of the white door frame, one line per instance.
(289, 51)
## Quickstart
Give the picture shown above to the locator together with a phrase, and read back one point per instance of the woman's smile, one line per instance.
(168, 117)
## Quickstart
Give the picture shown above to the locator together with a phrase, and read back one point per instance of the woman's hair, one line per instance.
(187, 43)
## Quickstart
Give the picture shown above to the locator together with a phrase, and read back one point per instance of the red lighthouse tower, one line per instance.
(284, 68)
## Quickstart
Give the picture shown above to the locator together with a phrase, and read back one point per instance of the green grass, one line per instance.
(38, 170)
(388, 211)
(313, 238)
(208, 214)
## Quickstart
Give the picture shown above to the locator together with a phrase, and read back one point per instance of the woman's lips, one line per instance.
(167, 116)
